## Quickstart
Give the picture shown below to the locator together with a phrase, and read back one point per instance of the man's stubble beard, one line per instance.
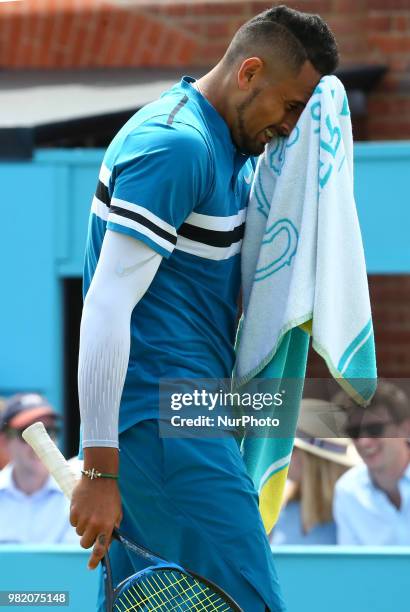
(246, 144)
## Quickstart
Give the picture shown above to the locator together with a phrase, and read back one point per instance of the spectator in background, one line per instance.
(372, 501)
(317, 463)
(32, 507)
(4, 457)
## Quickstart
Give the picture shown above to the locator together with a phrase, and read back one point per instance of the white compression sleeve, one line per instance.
(124, 272)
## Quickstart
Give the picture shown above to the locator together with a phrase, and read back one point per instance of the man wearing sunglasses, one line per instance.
(32, 507)
(372, 500)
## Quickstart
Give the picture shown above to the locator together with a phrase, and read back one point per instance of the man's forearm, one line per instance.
(103, 459)
(103, 361)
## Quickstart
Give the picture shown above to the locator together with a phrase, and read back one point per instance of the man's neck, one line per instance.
(213, 86)
(28, 482)
(387, 479)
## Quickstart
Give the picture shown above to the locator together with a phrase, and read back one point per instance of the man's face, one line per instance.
(22, 455)
(381, 442)
(269, 110)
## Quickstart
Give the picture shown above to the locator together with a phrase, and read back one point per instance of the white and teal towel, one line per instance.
(303, 268)
(302, 254)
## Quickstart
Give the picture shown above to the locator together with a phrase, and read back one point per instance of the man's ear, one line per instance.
(248, 70)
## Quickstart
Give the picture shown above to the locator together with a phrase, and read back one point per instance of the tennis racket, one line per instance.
(162, 586)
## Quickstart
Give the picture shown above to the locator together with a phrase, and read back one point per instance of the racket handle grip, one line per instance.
(48, 453)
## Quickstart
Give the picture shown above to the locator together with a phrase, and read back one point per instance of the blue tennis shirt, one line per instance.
(173, 178)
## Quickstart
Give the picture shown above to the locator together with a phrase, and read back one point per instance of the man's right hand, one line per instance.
(96, 505)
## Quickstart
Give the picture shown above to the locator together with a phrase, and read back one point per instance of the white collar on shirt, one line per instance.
(7, 483)
(405, 475)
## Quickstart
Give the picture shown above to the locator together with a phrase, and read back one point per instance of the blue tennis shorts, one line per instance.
(192, 502)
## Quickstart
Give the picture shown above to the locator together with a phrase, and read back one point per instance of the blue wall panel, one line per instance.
(45, 208)
(75, 173)
(30, 310)
(313, 579)
(338, 579)
(382, 173)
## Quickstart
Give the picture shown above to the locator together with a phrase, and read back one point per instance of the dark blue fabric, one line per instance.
(192, 502)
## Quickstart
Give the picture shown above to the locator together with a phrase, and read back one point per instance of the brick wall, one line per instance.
(94, 33)
(390, 299)
(97, 33)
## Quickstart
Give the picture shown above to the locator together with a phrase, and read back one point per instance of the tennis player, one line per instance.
(161, 284)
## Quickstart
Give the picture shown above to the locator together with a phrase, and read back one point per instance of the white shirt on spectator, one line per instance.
(365, 515)
(40, 518)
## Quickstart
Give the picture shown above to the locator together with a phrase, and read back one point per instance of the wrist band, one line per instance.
(93, 473)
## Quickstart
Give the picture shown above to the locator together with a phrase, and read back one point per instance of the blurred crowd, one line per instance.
(353, 490)
(33, 509)
(350, 489)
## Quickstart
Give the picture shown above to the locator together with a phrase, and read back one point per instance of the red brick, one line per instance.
(107, 54)
(341, 26)
(8, 9)
(378, 22)
(394, 338)
(347, 7)
(149, 42)
(315, 6)
(186, 52)
(109, 41)
(139, 43)
(379, 130)
(73, 41)
(110, 49)
(399, 63)
(15, 25)
(100, 34)
(390, 5)
(397, 105)
(401, 23)
(218, 9)
(70, 21)
(170, 40)
(173, 10)
(390, 43)
(258, 6)
(47, 33)
(155, 33)
(213, 52)
(368, 31)
(94, 31)
(393, 291)
(157, 55)
(217, 29)
(390, 298)
(351, 47)
(193, 26)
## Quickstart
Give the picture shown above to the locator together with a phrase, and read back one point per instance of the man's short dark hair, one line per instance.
(289, 36)
(388, 397)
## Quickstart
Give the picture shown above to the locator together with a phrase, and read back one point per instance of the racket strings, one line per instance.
(204, 590)
(168, 591)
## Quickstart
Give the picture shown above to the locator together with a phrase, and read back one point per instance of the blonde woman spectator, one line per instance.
(317, 463)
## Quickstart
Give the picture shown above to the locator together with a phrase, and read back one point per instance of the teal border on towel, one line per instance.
(358, 388)
(354, 344)
(239, 382)
(362, 394)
